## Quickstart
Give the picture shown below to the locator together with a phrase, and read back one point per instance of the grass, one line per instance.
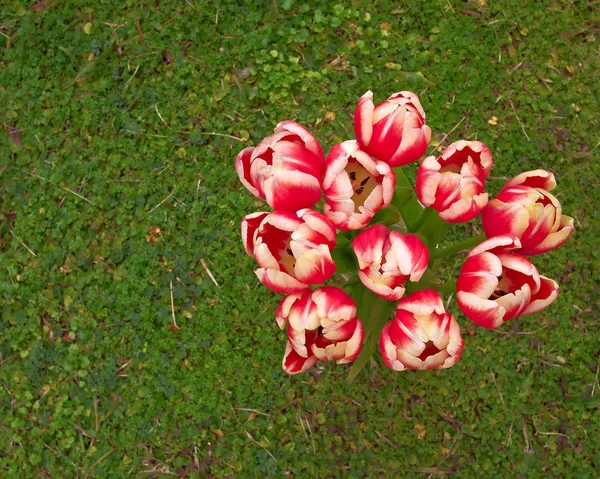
(122, 357)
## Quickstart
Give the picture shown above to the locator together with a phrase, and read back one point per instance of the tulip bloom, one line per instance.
(393, 131)
(322, 325)
(387, 259)
(422, 335)
(285, 169)
(293, 250)
(496, 285)
(355, 186)
(525, 208)
(453, 183)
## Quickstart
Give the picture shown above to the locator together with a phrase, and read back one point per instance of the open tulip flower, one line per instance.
(355, 185)
(382, 256)
(285, 169)
(453, 183)
(422, 335)
(322, 325)
(496, 285)
(525, 208)
(387, 259)
(393, 131)
(293, 250)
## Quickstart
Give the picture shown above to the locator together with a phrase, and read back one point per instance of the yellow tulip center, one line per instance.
(363, 183)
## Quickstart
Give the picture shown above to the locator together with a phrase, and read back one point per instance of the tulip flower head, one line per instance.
(453, 183)
(496, 285)
(293, 250)
(393, 131)
(387, 259)
(356, 186)
(295, 246)
(285, 169)
(526, 209)
(422, 335)
(322, 325)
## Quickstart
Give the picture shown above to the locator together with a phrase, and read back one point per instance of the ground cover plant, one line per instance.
(135, 340)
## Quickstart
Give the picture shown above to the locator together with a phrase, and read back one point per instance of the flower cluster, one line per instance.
(394, 257)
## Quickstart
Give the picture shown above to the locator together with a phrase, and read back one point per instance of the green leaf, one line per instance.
(374, 312)
(344, 258)
(401, 196)
(387, 216)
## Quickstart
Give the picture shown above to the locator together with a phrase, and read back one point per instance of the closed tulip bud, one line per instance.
(453, 183)
(322, 325)
(285, 169)
(525, 208)
(422, 335)
(387, 259)
(496, 285)
(393, 131)
(293, 250)
(356, 186)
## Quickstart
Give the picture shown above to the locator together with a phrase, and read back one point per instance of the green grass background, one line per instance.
(121, 122)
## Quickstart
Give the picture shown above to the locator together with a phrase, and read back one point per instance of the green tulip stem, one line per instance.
(458, 247)
(423, 217)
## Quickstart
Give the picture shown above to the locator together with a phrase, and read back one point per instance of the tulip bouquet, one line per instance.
(384, 239)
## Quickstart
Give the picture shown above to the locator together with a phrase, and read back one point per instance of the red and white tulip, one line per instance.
(356, 186)
(393, 131)
(285, 169)
(422, 335)
(453, 183)
(293, 250)
(322, 325)
(496, 285)
(387, 259)
(525, 208)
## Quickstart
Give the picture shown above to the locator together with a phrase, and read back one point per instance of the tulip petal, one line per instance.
(410, 254)
(249, 225)
(497, 243)
(363, 119)
(308, 139)
(545, 296)
(542, 179)
(483, 312)
(368, 245)
(293, 363)
(315, 266)
(553, 240)
(242, 168)
(283, 309)
(465, 209)
(291, 191)
(500, 218)
(279, 281)
(413, 145)
(334, 302)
